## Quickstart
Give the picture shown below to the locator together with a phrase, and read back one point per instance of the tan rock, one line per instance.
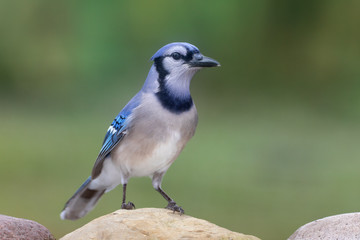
(151, 223)
(343, 226)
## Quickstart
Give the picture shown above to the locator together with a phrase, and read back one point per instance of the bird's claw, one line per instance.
(173, 206)
(128, 206)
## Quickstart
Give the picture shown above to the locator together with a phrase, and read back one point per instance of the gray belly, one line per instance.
(154, 140)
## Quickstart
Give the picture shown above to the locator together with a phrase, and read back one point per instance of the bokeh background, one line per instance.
(277, 143)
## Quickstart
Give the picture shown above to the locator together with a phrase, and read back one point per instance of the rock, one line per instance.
(343, 226)
(22, 229)
(151, 223)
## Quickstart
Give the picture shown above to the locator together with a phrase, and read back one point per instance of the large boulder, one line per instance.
(22, 229)
(151, 223)
(343, 226)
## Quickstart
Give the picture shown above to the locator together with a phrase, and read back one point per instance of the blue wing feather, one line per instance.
(115, 133)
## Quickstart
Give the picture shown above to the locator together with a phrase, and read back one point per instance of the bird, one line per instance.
(149, 133)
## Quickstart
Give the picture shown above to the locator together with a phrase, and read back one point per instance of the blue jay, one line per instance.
(149, 133)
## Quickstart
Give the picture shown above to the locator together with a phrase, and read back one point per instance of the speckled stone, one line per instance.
(12, 228)
(341, 227)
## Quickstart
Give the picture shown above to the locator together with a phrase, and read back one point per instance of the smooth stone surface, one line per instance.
(151, 223)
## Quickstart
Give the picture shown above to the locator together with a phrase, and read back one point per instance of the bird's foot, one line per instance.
(128, 206)
(173, 206)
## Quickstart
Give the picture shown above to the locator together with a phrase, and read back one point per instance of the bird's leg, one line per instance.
(129, 205)
(171, 203)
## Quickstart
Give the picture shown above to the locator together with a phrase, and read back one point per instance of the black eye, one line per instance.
(176, 55)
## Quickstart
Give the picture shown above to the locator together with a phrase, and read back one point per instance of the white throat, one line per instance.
(178, 81)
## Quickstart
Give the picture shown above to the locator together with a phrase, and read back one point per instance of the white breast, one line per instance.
(159, 160)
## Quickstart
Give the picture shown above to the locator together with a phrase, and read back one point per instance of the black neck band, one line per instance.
(172, 103)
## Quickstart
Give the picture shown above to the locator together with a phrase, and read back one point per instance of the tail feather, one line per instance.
(82, 202)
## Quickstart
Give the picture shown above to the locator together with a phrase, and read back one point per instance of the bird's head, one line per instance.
(180, 57)
(176, 63)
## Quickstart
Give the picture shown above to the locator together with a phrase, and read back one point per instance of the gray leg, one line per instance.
(129, 205)
(156, 181)
(171, 203)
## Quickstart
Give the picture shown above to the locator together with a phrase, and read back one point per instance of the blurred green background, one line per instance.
(277, 143)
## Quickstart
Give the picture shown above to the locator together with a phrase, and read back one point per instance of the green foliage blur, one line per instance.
(278, 134)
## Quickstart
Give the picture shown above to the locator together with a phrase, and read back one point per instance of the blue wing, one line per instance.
(115, 133)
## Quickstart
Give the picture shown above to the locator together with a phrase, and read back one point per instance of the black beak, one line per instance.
(201, 61)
